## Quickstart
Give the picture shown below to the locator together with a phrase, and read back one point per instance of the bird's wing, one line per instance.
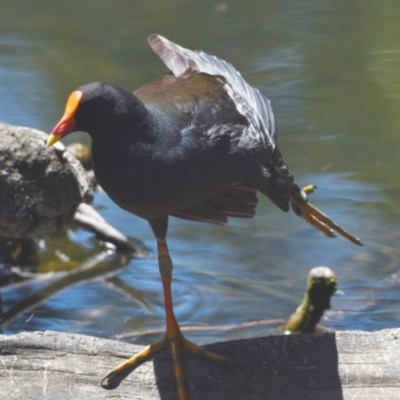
(250, 102)
(233, 201)
(268, 181)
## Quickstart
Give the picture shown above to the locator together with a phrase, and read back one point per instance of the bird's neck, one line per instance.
(128, 122)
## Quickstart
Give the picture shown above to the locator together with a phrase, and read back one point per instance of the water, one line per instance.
(330, 68)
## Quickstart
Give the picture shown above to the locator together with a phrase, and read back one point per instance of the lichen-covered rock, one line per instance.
(40, 188)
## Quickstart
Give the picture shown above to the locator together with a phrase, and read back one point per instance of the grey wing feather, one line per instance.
(250, 102)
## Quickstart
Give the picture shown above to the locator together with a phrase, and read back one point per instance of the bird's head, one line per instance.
(94, 108)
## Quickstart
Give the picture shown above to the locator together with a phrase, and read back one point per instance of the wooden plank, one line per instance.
(340, 365)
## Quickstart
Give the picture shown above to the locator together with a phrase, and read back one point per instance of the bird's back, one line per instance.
(249, 101)
(190, 99)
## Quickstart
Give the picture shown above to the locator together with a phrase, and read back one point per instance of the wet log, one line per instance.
(340, 365)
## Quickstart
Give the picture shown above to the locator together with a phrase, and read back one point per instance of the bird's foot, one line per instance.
(117, 374)
(121, 371)
(321, 221)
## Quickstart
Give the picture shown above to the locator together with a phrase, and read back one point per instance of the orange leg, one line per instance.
(173, 336)
(321, 221)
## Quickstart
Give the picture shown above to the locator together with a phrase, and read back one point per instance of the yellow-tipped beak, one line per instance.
(52, 139)
(66, 124)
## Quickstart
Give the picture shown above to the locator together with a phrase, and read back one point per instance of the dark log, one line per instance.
(340, 365)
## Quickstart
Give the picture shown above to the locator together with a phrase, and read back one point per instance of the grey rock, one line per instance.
(40, 188)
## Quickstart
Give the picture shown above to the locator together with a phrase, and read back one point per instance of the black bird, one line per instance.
(196, 143)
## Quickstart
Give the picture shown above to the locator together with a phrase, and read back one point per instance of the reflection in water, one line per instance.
(92, 269)
(332, 73)
(103, 267)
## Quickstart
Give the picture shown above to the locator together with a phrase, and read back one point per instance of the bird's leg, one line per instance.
(173, 333)
(318, 219)
(173, 336)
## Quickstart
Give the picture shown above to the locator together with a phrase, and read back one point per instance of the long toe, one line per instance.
(121, 371)
(322, 222)
(194, 348)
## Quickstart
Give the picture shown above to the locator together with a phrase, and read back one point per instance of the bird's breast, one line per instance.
(151, 185)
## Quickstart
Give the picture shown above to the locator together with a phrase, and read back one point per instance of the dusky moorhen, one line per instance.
(197, 143)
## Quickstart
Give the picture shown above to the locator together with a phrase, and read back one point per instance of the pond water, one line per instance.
(332, 72)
